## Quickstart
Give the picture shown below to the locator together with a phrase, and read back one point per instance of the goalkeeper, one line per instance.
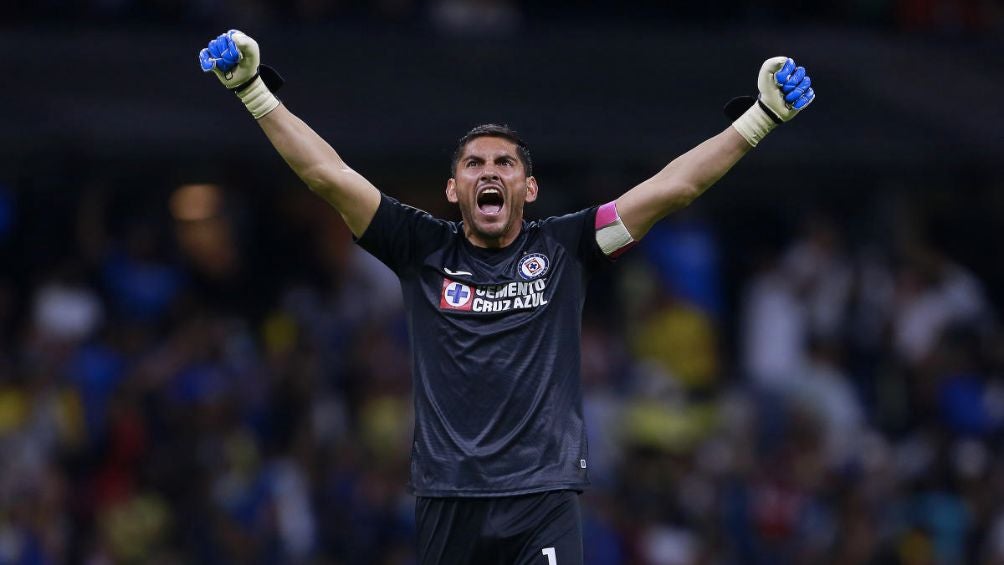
(494, 308)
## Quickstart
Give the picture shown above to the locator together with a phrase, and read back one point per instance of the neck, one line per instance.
(479, 240)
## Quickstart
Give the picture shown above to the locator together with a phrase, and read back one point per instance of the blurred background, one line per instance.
(805, 366)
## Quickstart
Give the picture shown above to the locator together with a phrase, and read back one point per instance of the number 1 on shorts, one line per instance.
(552, 559)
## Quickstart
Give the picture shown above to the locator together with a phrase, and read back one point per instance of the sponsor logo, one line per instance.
(497, 298)
(458, 273)
(532, 266)
(455, 296)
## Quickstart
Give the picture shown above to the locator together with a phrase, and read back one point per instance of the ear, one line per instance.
(531, 189)
(451, 191)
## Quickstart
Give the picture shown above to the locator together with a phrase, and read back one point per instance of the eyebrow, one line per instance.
(476, 157)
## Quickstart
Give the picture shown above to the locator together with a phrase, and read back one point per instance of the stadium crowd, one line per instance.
(217, 374)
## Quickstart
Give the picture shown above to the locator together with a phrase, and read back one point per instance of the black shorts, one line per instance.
(539, 529)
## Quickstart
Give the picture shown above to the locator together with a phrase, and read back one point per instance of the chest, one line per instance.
(455, 281)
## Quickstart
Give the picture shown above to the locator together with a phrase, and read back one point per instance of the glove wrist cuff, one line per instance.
(754, 124)
(257, 97)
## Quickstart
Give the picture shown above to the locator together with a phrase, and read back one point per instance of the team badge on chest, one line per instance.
(532, 266)
(455, 296)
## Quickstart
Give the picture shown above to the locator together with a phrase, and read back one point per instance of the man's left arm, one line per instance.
(784, 90)
(680, 182)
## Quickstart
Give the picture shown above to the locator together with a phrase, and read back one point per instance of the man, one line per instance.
(494, 308)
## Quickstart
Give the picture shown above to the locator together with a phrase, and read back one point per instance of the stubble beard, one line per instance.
(492, 231)
(485, 231)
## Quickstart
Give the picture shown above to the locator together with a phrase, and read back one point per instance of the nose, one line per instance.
(489, 173)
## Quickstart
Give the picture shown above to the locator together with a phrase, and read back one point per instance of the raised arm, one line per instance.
(680, 182)
(321, 168)
(234, 57)
(784, 91)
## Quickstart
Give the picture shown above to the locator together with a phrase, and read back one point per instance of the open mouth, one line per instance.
(490, 200)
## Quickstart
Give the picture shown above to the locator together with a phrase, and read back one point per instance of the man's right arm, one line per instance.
(234, 57)
(321, 168)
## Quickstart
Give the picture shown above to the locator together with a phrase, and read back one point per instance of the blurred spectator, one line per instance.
(824, 391)
(821, 274)
(684, 251)
(933, 295)
(775, 328)
(66, 311)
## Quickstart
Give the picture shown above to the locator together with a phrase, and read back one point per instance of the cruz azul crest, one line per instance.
(532, 266)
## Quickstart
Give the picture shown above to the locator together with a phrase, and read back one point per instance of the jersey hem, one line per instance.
(496, 493)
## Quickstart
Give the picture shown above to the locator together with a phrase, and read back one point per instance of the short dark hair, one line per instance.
(492, 130)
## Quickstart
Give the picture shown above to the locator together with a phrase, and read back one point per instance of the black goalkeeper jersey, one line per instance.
(495, 339)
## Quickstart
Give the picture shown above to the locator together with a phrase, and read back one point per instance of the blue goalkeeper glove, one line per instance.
(221, 55)
(233, 57)
(784, 90)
